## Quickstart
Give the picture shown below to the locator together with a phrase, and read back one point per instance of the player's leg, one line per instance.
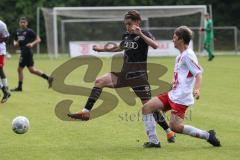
(211, 50)
(6, 93)
(39, 73)
(208, 48)
(149, 121)
(143, 91)
(20, 80)
(21, 65)
(108, 80)
(176, 124)
(159, 118)
(4, 83)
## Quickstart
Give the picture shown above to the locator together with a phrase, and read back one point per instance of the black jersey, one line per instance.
(135, 54)
(24, 37)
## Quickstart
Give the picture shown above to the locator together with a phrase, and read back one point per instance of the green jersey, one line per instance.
(209, 31)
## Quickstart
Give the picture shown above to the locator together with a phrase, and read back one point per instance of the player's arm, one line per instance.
(107, 48)
(137, 30)
(15, 41)
(4, 34)
(36, 41)
(196, 71)
(3, 39)
(197, 86)
(208, 27)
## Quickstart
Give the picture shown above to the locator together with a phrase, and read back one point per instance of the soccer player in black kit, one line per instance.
(26, 39)
(135, 44)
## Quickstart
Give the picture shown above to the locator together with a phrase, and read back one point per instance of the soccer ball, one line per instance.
(20, 125)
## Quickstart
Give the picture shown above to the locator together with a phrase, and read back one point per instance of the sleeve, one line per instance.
(32, 34)
(193, 67)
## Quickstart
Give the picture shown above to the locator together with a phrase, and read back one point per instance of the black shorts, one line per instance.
(139, 84)
(26, 61)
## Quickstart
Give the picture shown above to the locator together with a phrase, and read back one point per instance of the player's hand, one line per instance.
(16, 44)
(196, 93)
(97, 48)
(29, 45)
(201, 29)
(137, 30)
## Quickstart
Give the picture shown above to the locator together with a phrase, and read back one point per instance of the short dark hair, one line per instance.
(23, 18)
(133, 15)
(184, 33)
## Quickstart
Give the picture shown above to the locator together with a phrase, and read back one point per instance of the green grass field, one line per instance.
(109, 137)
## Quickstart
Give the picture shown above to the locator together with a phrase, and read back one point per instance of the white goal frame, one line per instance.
(57, 11)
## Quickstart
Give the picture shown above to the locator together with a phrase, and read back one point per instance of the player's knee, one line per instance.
(19, 70)
(32, 71)
(100, 82)
(145, 109)
(175, 127)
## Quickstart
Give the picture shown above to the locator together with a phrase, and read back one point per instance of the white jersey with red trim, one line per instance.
(3, 34)
(185, 70)
(3, 30)
(3, 50)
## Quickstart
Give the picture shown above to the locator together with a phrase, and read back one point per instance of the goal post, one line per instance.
(154, 16)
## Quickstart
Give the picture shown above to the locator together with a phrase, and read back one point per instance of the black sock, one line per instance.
(159, 118)
(20, 84)
(4, 89)
(95, 94)
(44, 76)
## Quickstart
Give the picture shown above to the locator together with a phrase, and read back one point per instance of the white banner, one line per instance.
(77, 48)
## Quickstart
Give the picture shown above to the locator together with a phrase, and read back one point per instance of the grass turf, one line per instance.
(112, 136)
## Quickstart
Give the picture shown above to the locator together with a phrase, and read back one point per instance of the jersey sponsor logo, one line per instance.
(130, 45)
(21, 38)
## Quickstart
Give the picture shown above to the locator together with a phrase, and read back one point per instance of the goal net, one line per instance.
(67, 28)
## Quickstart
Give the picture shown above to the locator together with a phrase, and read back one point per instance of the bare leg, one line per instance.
(20, 80)
(39, 73)
(20, 74)
(35, 71)
(4, 86)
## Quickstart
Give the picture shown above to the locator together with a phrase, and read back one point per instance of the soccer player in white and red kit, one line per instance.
(4, 34)
(185, 86)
